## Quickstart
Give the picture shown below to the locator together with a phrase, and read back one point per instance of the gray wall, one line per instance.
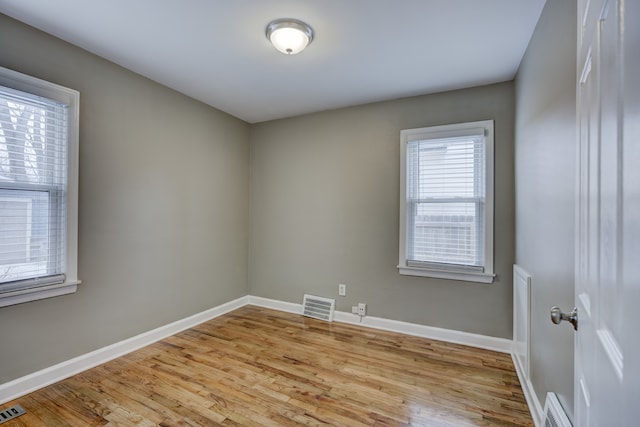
(164, 184)
(325, 207)
(545, 179)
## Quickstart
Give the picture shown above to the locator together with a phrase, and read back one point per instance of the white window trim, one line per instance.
(459, 129)
(25, 83)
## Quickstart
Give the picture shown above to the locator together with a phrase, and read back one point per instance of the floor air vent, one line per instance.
(318, 307)
(11, 413)
(554, 414)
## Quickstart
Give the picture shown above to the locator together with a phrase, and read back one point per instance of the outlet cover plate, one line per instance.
(342, 290)
(362, 309)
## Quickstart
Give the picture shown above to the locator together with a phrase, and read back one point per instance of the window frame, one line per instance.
(38, 87)
(453, 271)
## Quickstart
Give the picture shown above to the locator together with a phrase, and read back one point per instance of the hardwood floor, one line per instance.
(258, 367)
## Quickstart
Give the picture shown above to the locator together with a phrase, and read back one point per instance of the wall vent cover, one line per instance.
(11, 413)
(318, 307)
(554, 414)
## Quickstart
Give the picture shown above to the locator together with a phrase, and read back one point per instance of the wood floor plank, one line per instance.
(259, 367)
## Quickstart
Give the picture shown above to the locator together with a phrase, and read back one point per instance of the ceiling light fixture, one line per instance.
(289, 36)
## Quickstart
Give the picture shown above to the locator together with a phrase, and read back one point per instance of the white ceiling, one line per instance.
(364, 50)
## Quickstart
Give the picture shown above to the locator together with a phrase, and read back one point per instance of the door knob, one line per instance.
(558, 316)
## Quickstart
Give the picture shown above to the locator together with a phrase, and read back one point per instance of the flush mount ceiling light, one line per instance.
(289, 36)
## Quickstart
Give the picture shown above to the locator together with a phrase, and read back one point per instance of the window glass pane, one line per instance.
(25, 237)
(33, 139)
(446, 233)
(446, 169)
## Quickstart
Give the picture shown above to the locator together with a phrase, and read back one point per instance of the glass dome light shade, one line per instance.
(289, 36)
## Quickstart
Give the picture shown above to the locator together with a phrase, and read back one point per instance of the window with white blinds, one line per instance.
(38, 188)
(447, 204)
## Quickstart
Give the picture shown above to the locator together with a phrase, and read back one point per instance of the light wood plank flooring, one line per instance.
(259, 367)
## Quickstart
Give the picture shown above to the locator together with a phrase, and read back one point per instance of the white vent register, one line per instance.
(554, 414)
(318, 307)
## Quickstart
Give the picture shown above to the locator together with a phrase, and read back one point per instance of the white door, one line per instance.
(607, 286)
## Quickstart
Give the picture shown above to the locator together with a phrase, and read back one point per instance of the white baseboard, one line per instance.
(24, 385)
(474, 340)
(29, 383)
(274, 304)
(535, 407)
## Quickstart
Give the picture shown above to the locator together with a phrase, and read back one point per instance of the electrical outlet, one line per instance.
(342, 290)
(354, 309)
(362, 309)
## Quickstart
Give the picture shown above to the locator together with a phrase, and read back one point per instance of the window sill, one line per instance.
(452, 275)
(42, 292)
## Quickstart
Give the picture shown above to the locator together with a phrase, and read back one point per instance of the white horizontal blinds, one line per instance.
(33, 157)
(446, 201)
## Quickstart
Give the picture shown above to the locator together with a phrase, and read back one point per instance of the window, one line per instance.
(446, 207)
(38, 188)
